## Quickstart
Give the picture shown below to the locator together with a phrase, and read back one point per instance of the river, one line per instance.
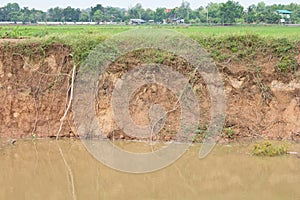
(39, 170)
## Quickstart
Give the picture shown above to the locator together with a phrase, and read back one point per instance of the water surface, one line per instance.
(36, 170)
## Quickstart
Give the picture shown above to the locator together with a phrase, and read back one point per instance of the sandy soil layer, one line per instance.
(35, 83)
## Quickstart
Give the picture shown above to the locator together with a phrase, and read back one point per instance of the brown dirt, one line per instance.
(34, 86)
(33, 90)
(10, 40)
(148, 95)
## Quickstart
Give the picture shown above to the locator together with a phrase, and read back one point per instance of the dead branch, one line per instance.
(69, 104)
(36, 118)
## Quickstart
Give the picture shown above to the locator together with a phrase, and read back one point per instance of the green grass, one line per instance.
(292, 33)
(42, 31)
(228, 133)
(242, 44)
(269, 149)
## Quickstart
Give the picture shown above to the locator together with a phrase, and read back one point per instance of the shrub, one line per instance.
(268, 149)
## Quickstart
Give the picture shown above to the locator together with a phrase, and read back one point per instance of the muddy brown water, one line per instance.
(36, 170)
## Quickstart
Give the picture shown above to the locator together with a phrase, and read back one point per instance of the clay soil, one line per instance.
(35, 86)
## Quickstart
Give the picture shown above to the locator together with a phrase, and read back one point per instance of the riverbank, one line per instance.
(261, 79)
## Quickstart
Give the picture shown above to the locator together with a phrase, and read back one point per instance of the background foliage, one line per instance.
(220, 13)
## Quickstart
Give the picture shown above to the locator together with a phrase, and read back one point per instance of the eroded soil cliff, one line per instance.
(35, 87)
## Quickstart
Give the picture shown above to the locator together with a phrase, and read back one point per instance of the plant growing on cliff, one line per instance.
(228, 133)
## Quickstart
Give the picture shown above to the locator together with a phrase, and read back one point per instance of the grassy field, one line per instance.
(292, 33)
(239, 43)
(42, 31)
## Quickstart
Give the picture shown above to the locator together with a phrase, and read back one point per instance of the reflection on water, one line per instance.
(36, 170)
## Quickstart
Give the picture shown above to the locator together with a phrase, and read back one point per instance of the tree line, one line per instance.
(214, 13)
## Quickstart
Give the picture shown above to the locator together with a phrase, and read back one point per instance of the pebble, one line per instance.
(12, 141)
(16, 115)
(293, 153)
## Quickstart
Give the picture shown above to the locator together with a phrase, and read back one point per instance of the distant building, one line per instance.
(137, 21)
(285, 14)
(168, 10)
(178, 20)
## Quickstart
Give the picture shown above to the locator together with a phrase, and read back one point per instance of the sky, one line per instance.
(46, 4)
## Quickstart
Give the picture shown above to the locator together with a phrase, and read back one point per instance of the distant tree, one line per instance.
(25, 15)
(230, 11)
(121, 14)
(184, 10)
(3, 14)
(98, 16)
(136, 11)
(13, 16)
(148, 14)
(94, 9)
(55, 14)
(213, 10)
(12, 7)
(84, 16)
(196, 14)
(261, 10)
(295, 8)
(71, 14)
(39, 16)
(10, 12)
(32, 18)
(270, 16)
(251, 14)
(68, 14)
(296, 16)
(203, 15)
(159, 14)
(113, 14)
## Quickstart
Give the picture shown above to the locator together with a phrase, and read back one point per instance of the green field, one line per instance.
(242, 44)
(292, 33)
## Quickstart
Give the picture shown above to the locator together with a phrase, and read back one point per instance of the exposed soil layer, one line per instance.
(148, 95)
(35, 84)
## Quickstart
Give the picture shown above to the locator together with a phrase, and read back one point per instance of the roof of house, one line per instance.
(284, 12)
(137, 20)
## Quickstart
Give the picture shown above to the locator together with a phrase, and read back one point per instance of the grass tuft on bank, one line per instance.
(269, 149)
